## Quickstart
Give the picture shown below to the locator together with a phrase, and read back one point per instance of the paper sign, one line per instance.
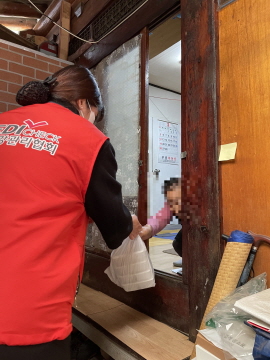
(168, 150)
(227, 152)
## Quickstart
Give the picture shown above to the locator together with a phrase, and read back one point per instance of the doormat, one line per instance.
(170, 251)
(168, 235)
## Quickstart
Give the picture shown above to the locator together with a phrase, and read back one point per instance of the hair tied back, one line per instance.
(34, 92)
(49, 80)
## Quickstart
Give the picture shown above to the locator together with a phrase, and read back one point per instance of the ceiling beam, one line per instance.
(64, 36)
(18, 24)
(89, 55)
(10, 36)
(44, 25)
(10, 8)
(91, 8)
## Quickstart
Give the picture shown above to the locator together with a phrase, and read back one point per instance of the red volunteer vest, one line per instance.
(47, 155)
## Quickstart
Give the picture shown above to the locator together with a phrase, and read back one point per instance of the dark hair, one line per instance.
(168, 184)
(70, 84)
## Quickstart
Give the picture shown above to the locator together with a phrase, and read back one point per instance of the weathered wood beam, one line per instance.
(64, 35)
(55, 30)
(44, 25)
(200, 182)
(89, 55)
(17, 24)
(90, 11)
(9, 35)
(10, 8)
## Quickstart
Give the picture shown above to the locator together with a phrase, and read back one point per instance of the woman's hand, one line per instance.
(146, 232)
(136, 227)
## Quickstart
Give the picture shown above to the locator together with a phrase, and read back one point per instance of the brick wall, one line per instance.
(18, 65)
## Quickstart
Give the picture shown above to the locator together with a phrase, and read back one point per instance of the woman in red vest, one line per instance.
(57, 172)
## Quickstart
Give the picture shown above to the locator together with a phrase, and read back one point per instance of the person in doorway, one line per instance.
(57, 172)
(172, 207)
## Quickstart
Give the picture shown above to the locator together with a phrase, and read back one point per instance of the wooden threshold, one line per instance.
(125, 333)
(167, 302)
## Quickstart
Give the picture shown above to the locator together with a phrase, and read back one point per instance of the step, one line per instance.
(125, 333)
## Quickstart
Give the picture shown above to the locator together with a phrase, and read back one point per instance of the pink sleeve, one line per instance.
(161, 219)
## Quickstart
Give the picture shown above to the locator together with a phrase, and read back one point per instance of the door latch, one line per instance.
(156, 172)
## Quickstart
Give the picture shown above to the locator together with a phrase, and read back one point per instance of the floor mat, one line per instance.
(170, 251)
(167, 235)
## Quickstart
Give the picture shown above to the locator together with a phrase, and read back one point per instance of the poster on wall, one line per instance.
(169, 147)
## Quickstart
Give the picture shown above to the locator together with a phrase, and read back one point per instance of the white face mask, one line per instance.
(91, 117)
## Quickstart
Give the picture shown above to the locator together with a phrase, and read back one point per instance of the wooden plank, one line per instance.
(17, 24)
(148, 337)
(103, 339)
(200, 193)
(166, 302)
(64, 35)
(139, 332)
(99, 301)
(12, 8)
(244, 97)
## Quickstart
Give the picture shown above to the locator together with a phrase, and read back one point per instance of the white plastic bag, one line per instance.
(130, 266)
(227, 321)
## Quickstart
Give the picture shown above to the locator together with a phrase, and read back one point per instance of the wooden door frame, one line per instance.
(168, 300)
(201, 220)
(181, 303)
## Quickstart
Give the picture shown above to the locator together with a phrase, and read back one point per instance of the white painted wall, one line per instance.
(163, 105)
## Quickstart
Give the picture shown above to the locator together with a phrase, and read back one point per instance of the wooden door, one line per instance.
(244, 118)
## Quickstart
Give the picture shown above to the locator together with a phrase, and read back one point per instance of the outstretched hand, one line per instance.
(136, 227)
(146, 232)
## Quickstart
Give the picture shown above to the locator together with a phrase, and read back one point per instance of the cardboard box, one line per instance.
(207, 345)
(35, 39)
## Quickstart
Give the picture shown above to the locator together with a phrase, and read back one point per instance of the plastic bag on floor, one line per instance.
(130, 266)
(237, 339)
(226, 309)
(228, 321)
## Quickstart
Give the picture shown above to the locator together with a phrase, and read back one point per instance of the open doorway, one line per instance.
(164, 162)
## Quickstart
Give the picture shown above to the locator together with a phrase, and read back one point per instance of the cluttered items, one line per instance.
(238, 326)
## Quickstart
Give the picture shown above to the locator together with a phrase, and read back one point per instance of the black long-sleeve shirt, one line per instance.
(103, 200)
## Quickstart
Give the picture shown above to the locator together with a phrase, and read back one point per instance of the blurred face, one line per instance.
(174, 199)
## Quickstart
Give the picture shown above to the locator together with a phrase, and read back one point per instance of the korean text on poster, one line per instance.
(168, 151)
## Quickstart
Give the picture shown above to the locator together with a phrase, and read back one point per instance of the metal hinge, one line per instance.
(183, 154)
